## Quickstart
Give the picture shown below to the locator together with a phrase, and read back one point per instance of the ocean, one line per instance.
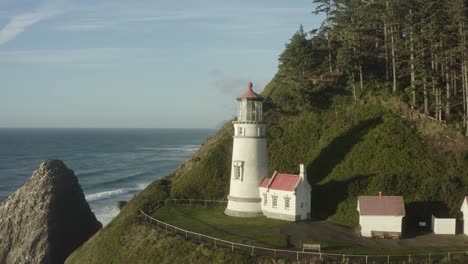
(111, 164)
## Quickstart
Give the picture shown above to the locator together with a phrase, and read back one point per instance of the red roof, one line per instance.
(265, 182)
(250, 93)
(385, 205)
(282, 182)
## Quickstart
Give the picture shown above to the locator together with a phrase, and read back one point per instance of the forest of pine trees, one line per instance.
(415, 49)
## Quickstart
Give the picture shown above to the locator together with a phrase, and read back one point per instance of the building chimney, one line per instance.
(380, 195)
(302, 171)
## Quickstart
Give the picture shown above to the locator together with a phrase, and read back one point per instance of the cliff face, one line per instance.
(47, 218)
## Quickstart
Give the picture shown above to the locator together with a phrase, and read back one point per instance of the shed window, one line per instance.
(265, 199)
(274, 200)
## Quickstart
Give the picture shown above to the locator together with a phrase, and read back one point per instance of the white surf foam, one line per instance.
(112, 193)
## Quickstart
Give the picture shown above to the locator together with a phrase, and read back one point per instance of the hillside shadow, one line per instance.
(335, 152)
(417, 212)
(325, 198)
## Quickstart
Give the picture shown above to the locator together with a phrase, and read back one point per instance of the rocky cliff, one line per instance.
(47, 218)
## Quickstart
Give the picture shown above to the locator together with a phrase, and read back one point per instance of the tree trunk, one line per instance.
(448, 92)
(392, 38)
(361, 78)
(413, 70)
(412, 67)
(426, 99)
(329, 39)
(387, 75)
(465, 73)
(464, 95)
(392, 41)
(354, 86)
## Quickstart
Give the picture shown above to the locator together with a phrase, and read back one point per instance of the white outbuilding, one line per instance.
(464, 209)
(381, 216)
(444, 226)
(286, 196)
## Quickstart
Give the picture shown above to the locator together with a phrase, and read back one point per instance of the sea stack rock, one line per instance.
(47, 218)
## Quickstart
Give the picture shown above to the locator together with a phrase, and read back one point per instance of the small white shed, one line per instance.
(444, 226)
(381, 216)
(464, 209)
(286, 196)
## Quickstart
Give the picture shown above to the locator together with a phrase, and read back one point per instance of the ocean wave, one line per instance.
(112, 193)
(179, 148)
(120, 180)
(91, 172)
(105, 214)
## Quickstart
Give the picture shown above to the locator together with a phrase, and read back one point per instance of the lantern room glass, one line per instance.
(249, 111)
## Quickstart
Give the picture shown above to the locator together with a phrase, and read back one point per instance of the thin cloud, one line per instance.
(89, 55)
(19, 23)
(111, 18)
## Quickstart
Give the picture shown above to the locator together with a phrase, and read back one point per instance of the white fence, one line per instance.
(327, 257)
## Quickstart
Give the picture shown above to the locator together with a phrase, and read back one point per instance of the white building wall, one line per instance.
(249, 150)
(444, 226)
(280, 211)
(464, 210)
(379, 223)
(303, 194)
(465, 225)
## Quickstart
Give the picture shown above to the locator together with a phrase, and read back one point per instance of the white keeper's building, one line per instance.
(286, 196)
(283, 196)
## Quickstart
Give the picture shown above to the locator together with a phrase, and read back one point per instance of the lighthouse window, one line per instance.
(237, 174)
(287, 202)
(274, 200)
(237, 170)
(240, 131)
(265, 199)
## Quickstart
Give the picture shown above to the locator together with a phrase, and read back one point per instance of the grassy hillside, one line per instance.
(350, 148)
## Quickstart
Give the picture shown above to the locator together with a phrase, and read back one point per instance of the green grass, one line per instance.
(213, 222)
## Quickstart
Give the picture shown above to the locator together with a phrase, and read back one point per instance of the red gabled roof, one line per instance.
(249, 93)
(385, 205)
(282, 182)
(264, 183)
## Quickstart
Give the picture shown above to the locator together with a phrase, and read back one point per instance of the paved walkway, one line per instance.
(325, 231)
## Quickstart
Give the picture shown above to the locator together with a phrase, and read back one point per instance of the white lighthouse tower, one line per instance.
(249, 157)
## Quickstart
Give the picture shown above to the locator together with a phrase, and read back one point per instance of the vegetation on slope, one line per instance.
(351, 147)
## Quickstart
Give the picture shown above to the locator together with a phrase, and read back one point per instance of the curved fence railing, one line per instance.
(327, 257)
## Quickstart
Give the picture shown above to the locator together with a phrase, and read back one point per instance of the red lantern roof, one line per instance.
(250, 94)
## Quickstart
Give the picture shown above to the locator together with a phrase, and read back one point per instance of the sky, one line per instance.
(138, 64)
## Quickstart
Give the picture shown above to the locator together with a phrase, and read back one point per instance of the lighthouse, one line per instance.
(249, 157)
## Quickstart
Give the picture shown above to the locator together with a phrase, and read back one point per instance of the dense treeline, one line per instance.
(415, 49)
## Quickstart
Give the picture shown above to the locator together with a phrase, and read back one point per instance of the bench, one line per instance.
(385, 234)
(314, 247)
(378, 234)
(392, 235)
